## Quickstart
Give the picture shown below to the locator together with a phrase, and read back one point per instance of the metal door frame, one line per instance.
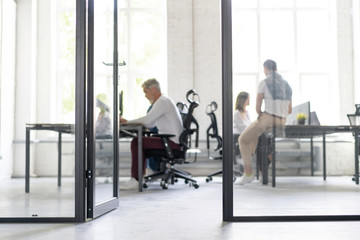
(94, 210)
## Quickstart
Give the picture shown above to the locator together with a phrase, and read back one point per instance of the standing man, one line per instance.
(165, 116)
(277, 94)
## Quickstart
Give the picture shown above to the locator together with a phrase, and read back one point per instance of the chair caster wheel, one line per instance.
(186, 181)
(196, 186)
(165, 186)
(208, 179)
(145, 185)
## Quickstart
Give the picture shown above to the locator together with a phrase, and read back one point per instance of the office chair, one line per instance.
(266, 146)
(169, 157)
(212, 132)
(354, 120)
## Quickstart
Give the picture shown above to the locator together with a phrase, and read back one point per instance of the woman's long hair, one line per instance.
(240, 101)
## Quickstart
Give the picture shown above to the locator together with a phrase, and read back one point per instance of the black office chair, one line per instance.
(212, 132)
(354, 120)
(266, 146)
(170, 157)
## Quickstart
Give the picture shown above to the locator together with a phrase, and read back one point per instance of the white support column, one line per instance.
(180, 48)
(207, 60)
(46, 63)
(356, 33)
(26, 75)
(7, 85)
(345, 59)
(46, 85)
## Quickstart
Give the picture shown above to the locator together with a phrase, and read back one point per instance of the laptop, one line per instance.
(314, 120)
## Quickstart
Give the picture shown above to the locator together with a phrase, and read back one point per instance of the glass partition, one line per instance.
(102, 114)
(311, 169)
(104, 99)
(37, 78)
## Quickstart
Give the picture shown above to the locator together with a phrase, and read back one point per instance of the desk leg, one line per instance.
(312, 155)
(324, 156)
(140, 158)
(264, 160)
(59, 160)
(273, 161)
(357, 157)
(27, 161)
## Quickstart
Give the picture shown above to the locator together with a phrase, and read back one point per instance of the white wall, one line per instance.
(180, 48)
(356, 42)
(7, 85)
(194, 54)
(345, 59)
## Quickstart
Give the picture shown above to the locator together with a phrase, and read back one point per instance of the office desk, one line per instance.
(309, 131)
(60, 128)
(70, 129)
(138, 129)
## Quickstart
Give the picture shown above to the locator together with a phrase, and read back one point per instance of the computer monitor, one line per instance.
(301, 108)
(121, 104)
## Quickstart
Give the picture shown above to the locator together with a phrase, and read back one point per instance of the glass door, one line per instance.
(102, 115)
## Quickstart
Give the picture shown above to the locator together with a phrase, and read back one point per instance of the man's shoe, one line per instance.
(246, 179)
(131, 184)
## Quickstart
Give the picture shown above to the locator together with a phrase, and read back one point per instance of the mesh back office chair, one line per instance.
(212, 132)
(169, 157)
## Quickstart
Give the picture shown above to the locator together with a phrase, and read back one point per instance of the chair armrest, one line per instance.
(163, 135)
(165, 142)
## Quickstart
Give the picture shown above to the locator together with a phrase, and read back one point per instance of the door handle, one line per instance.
(123, 63)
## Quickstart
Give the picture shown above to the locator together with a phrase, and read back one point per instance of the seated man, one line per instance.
(165, 116)
(277, 95)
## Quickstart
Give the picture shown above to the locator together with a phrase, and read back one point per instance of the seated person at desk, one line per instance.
(241, 117)
(165, 116)
(277, 95)
(103, 125)
(152, 163)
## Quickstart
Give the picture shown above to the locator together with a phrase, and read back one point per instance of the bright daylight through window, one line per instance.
(307, 59)
(142, 45)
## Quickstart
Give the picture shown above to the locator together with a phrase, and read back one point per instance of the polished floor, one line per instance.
(187, 213)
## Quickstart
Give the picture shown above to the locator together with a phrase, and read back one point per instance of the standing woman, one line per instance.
(241, 119)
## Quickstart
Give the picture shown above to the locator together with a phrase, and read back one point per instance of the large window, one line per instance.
(300, 37)
(142, 45)
(65, 60)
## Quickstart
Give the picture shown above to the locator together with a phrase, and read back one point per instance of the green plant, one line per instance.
(301, 117)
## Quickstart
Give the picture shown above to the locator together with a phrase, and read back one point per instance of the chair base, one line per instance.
(235, 172)
(170, 176)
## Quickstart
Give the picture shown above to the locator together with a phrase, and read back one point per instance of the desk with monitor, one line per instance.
(312, 128)
(310, 131)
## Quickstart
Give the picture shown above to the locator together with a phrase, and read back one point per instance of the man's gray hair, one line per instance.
(152, 82)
